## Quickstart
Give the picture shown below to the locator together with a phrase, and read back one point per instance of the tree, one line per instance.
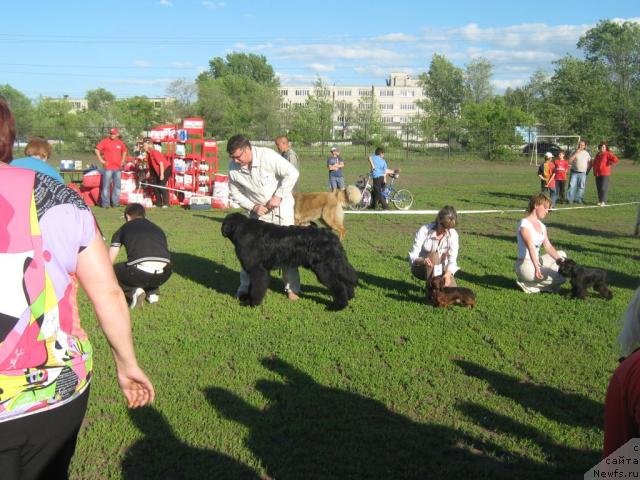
(185, 93)
(617, 45)
(443, 87)
(21, 107)
(53, 120)
(477, 80)
(314, 120)
(99, 99)
(490, 127)
(137, 114)
(369, 121)
(248, 65)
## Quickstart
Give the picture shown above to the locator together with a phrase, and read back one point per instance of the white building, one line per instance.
(81, 104)
(396, 100)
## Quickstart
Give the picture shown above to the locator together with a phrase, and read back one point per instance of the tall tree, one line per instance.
(477, 80)
(99, 99)
(21, 107)
(314, 120)
(185, 93)
(443, 87)
(248, 65)
(617, 45)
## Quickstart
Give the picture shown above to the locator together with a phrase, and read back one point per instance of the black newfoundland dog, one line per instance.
(262, 246)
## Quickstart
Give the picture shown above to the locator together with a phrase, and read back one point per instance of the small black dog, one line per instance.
(583, 278)
(444, 296)
(262, 246)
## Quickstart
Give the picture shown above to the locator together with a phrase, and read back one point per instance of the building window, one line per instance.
(364, 106)
(386, 106)
(302, 92)
(364, 93)
(407, 93)
(284, 92)
(386, 93)
(344, 93)
(284, 105)
(407, 106)
(387, 120)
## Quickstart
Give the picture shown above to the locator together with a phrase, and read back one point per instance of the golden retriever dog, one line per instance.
(325, 206)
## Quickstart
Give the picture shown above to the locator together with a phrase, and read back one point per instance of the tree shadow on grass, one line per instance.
(159, 454)
(568, 408)
(311, 431)
(493, 282)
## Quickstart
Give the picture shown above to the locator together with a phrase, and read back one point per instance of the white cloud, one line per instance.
(252, 48)
(142, 63)
(319, 67)
(380, 71)
(502, 85)
(140, 81)
(309, 53)
(166, 3)
(288, 78)
(181, 64)
(395, 37)
(213, 5)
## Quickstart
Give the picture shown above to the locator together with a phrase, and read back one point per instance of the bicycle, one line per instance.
(401, 199)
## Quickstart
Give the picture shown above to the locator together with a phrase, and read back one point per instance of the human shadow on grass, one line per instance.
(394, 288)
(161, 455)
(522, 199)
(569, 461)
(206, 272)
(209, 217)
(308, 430)
(490, 281)
(569, 408)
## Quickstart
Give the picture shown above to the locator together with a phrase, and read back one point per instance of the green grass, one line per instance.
(389, 387)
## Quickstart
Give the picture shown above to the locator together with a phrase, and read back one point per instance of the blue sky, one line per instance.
(138, 47)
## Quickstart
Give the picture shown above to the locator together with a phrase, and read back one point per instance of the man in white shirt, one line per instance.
(580, 165)
(261, 181)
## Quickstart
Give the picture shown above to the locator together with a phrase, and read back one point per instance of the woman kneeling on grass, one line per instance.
(435, 248)
(537, 273)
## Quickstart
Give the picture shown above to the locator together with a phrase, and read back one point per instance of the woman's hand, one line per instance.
(135, 386)
(428, 262)
(538, 273)
(447, 279)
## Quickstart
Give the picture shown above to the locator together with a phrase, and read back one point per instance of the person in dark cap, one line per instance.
(111, 153)
(335, 164)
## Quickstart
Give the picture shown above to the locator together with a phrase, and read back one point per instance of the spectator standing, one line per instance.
(47, 360)
(37, 153)
(547, 176)
(379, 174)
(282, 144)
(580, 165)
(602, 171)
(261, 181)
(112, 154)
(158, 173)
(335, 164)
(148, 262)
(562, 168)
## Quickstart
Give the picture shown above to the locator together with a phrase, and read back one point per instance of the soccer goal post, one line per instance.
(533, 152)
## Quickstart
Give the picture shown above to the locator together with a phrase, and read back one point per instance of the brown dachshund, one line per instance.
(444, 296)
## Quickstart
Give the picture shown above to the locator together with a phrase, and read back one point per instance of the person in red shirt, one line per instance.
(602, 171)
(622, 404)
(547, 176)
(112, 154)
(562, 168)
(159, 172)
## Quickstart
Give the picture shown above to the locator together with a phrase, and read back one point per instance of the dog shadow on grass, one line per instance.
(160, 454)
(308, 430)
(206, 272)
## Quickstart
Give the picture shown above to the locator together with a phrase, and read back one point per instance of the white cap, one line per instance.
(548, 155)
(334, 149)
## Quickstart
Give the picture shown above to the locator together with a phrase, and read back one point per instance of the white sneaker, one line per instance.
(153, 298)
(138, 297)
(165, 206)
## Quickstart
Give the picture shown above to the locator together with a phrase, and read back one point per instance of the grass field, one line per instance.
(389, 387)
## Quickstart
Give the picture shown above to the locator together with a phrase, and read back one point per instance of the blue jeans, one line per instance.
(577, 181)
(109, 176)
(336, 182)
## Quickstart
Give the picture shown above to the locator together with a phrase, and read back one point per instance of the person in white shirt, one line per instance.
(537, 273)
(580, 165)
(261, 181)
(435, 248)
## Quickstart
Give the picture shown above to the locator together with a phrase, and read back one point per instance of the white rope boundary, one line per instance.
(461, 212)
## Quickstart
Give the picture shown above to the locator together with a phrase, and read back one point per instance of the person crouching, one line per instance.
(148, 262)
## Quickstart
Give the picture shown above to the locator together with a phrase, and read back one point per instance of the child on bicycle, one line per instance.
(380, 170)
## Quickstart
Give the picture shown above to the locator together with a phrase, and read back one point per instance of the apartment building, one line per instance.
(81, 104)
(396, 100)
